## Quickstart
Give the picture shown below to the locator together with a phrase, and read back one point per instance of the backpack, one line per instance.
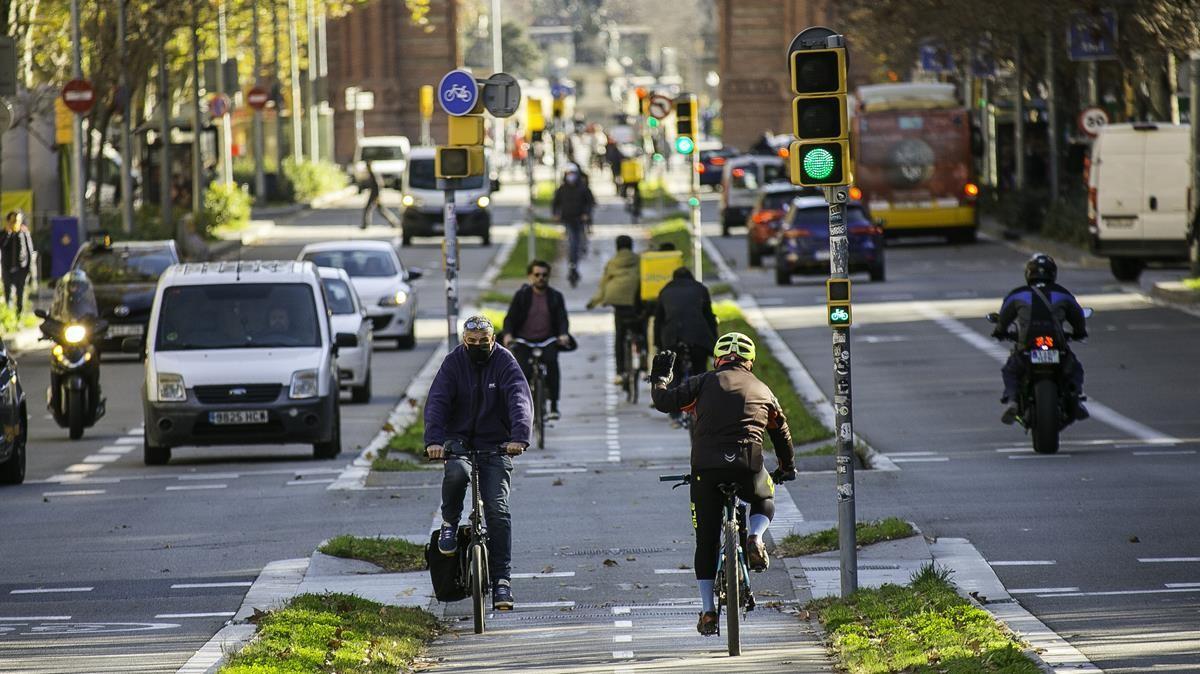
(449, 573)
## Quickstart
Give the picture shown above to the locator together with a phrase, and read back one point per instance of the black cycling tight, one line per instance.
(708, 505)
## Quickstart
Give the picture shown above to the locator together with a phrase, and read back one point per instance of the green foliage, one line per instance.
(888, 529)
(225, 206)
(925, 628)
(147, 224)
(335, 633)
(1192, 283)
(1066, 220)
(653, 190)
(804, 426)
(311, 179)
(10, 321)
(543, 193)
(408, 444)
(547, 239)
(394, 555)
(677, 231)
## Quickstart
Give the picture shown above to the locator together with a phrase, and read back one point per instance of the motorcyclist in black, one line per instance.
(1041, 301)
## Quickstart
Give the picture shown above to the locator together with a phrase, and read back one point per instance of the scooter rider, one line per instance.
(1041, 301)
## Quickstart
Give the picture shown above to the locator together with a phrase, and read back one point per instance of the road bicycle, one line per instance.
(732, 590)
(477, 554)
(633, 350)
(539, 375)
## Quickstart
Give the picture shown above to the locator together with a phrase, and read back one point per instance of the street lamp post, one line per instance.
(497, 66)
(226, 122)
(294, 57)
(260, 177)
(77, 126)
(126, 112)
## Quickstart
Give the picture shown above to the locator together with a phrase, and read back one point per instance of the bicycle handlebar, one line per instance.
(680, 480)
(540, 345)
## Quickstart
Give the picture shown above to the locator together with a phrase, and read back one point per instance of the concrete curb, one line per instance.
(328, 198)
(1175, 292)
(805, 385)
(1032, 243)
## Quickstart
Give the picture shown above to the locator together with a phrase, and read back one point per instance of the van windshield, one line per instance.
(238, 316)
(421, 176)
(357, 263)
(382, 152)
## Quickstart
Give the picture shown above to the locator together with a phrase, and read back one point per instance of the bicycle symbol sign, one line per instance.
(458, 93)
(839, 315)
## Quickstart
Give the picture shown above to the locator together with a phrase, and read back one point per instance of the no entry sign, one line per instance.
(79, 96)
(257, 98)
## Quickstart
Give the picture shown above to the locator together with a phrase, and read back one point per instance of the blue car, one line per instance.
(804, 241)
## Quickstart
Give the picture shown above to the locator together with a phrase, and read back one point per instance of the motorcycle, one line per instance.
(73, 396)
(1045, 398)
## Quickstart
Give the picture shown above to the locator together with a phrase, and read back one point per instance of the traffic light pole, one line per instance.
(450, 220)
(531, 240)
(694, 203)
(839, 268)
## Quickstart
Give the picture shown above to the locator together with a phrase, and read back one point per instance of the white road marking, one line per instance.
(547, 604)
(1167, 560)
(176, 616)
(51, 590)
(209, 476)
(1015, 450)
(196, 487)
(77, 492)
(294, 483)
(1024, 562)
(137, 431)
(919, 459)
(622, 638)
(34, 618)
(622, 655)
(620, 610)
(895, 454)
(101, 458)
(1116, 593)
(1040, 456)
(1042, 590)
(662, 572)
(1181, 585)
(551, 471)
(550, 574)
(189, 586)
(129, 441)
(623, 624)
(117, 449)
(1177, 452)
(82, 467)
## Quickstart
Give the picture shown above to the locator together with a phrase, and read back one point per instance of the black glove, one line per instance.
(663, 367)
(783, 474)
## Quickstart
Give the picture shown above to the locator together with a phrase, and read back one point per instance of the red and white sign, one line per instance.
(660, 106)
(257, 98)
(79, 96)
(1091, 120)
(218, 106)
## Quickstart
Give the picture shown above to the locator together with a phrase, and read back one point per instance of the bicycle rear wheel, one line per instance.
(479, 584)
(733, 589)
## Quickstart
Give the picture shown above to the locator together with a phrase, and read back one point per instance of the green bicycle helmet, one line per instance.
(734, 343)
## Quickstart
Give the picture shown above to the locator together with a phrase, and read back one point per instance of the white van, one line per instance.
(241, 353)
(741, 180)
(388, 156)
(424, 203)
(1138, 182)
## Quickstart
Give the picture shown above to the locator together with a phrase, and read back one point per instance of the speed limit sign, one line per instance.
(1092, 120)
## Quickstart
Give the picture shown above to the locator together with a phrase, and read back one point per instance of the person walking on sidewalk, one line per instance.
(733, 411)
(374, 190)
(685, 324)
(479, 397)
(572, 206)
(620, 289)
(537, 313)
(16, 256)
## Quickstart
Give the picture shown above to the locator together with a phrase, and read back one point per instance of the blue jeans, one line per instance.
(494, 475)
(576, 242)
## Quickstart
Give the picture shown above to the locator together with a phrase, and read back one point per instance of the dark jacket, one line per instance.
(684, 314)
(483, 406)
(16, 251)
(1023, 307)
(733, 411)
(518, 311)
(572, 202)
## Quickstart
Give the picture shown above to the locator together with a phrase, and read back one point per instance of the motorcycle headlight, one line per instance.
(75, 333)
(304, 384)
(408, 200)
(57, 351)
(394, 300)
(483, 201)
(171, 388)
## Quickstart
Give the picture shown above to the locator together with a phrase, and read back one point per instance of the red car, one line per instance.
(762, 227)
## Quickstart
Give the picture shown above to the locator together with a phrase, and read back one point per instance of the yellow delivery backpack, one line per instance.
(631, 171)
(656, 270)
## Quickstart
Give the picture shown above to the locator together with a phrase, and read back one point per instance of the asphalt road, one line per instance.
(133, 568)
(1081, 538)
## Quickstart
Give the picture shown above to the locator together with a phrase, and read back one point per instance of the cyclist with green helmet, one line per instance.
(733, 411)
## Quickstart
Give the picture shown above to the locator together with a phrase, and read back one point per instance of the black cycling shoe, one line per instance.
(708, 625)
(1009, 417)
(553, 414)
(502, 595)
(757, 554)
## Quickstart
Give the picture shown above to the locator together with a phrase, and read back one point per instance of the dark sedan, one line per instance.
(711, 164)
(804, 241)
(124, 276)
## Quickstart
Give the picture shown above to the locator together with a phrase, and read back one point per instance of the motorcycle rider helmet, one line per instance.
(74, 297)
(1040, 268)
(735, 344)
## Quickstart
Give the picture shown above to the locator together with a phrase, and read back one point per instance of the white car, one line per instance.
(347, 315)
(388, 156)
(380, 280)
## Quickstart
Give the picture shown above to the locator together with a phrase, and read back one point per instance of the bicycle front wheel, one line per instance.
(539, 412)
(478, 585)
(733, 589)
(631, 378)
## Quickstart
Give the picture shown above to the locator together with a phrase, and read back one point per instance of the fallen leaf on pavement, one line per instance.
(631, 558)
(548, 569)
(610, 562)
(1134, 539)
(558, 482)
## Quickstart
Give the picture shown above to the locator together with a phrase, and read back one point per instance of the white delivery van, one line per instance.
(1138, 193)
(424, 203)
(388, 156)
(241, 353)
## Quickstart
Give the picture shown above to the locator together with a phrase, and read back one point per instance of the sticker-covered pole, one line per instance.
(451, 243)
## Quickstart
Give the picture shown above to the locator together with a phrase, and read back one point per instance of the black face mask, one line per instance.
(479, 354)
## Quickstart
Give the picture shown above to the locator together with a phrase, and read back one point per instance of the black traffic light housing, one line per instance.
(458, 161)
(686, 117)
(820, 156)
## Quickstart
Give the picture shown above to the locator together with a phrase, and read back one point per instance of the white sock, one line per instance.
(706, 595)
(758, 525)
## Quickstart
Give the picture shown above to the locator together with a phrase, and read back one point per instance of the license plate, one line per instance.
(1039, 357)
(1120, 223)
(820, 255)
(238, 417)
(132, 330)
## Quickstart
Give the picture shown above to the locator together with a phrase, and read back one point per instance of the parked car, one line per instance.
(804, 241)
(762, 227)
(349, 316)
(388, 156)
(124, 276)
(743, 176)
(712, 162)
(424, 203)
(241, 353)
(15, 420)
(1138, 195)
(380, 280)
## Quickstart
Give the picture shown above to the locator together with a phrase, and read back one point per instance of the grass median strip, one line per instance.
(888, 529)
(404, 450)
(335, 633)
(923, 628)
(394, 555)
(546, 243)
(676, 231)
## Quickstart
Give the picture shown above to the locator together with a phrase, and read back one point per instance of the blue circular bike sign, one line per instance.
(458, 93)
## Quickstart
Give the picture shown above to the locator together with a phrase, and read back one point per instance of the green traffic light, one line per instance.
(653, 122)
(693, 202)
(684, 145)
(658, 156)
(819, 163)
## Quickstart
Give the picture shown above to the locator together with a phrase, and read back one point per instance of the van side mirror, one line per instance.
(413, 273)
(345, 340)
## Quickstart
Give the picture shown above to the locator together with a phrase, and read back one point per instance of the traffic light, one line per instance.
(466, 130)
(685, 123)
(820, 155)
(837, 302)
(458, 161)
(535, 119)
